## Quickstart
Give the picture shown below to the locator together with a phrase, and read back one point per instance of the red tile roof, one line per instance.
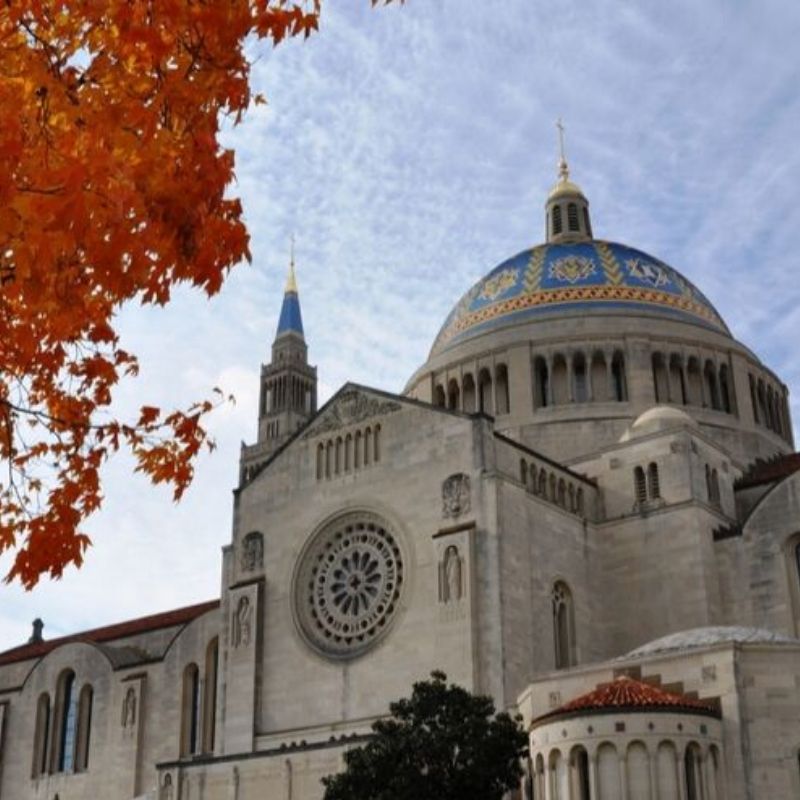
(627, 694)
(120, 630)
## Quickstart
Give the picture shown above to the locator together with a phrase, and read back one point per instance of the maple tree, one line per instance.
(112, 189)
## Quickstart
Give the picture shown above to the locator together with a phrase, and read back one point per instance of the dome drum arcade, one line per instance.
(536, 343)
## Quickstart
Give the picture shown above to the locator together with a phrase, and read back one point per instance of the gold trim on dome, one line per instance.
(533, 275)
(610, 265)
(499, 284)
(571, 268)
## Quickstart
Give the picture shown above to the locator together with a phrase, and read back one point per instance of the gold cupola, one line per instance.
(567, 218)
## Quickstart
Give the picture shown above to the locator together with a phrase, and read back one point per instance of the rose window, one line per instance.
(348, 585)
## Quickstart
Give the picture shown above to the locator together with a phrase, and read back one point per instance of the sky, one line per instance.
(409, 150)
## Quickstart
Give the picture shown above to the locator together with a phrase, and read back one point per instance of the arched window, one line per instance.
(553, 496)
(542, 483)
(579, 507)
(639, 486)
(753, 400)
(485, 391)
(348, 452)
(320, 461)
(620, 386)
(452, 394)
(557, 227)
(572, 217)
(599, 376)
(677, 380)
(653, 488)
(660, 378)
(377, 443)
(540, 383)
(328, 458)
(712, 390)
(439, 397)
(190, 710)
(357, 451)
(579, 774)
(715, 496)
(725, 389)
(501, 389)
(580, 387)
(66, 719)
(339, 446)
(532, 479)
(693, 774)
(41, 736)
(560, 380)
(523, 471)
(562, 493)
(586, 223)
(563, 626)
(468, 395)
(84, 736)
(367, 446)
(210, 698)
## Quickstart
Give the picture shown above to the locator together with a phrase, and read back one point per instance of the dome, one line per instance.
(576, 278)
(655, 419)
(708, 636)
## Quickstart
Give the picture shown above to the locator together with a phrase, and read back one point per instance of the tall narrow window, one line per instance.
(753, 400)
(523, 471)
(712, 393)
(67, 710)
(468, 396)
(41, 736)
(540, 383)
(377, 443)
(639, 486)
(328, 457)
(587, 224)
(797, 559)
(367, 446)
(84, 736)
(485, 391)
(653, 488)
(725, 389)
(579, 382)
(190, 716)
(453, 395)
(348, 452)
(557, 228)
(357, 451)
(694, 782)
(439, 396)
(339, 454)
(618, 377)
(210, 699)
(572, 217)
(501, 388)
(580, 775)
(563, 626)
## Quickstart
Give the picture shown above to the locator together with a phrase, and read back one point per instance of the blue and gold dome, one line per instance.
(575, 278)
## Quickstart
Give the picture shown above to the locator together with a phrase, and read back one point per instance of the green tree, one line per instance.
(442, 742)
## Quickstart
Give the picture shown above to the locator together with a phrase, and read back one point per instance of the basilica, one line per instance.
(585, 504)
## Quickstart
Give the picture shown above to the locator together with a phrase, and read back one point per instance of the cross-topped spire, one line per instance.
(563, 168)
(291, 279)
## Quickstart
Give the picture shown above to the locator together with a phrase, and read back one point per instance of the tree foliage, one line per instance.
(442, 742)
(112, 189)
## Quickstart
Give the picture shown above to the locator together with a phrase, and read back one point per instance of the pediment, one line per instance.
(351, 406)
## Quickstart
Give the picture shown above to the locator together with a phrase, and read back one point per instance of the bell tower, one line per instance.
(288, 389)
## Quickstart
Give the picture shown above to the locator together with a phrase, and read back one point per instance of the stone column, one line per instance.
(594, 789)
(570, 378)
(623, 776)
(550, 361)
(651, 763)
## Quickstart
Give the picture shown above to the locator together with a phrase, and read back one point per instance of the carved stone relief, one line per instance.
(240, 627)
(129, 708)
(451, 576)
(252, 552)
(456, 495)
(350, 408)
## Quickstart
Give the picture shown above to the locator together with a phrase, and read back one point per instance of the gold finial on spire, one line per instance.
(291, 280)
(563, 168)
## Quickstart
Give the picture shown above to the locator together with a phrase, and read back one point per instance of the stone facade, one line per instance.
(551, 492)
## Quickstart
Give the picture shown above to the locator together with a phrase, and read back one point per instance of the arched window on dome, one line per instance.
(620, 383)
(485, 392)
(653, 487)
(725, 389)
(468, 394)
(580, 385)
(501, 389)
(41, 736)
(677, 380)
(453, 394)
(712, 388)
(560, 379)
(600, 376)
(660, 378)
(439, 397)
(639, 486)
(563, 625)
(540, 383)
(572, 217)
(557, 227)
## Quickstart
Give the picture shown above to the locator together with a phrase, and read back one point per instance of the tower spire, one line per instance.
(567, 219)
(291, 320)
(291, 279)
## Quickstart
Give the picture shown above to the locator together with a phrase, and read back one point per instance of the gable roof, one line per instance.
(119, 630)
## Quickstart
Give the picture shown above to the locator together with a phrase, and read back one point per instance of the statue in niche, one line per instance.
(166, 788)
(451, 581)
(241, 623)
(456, 495)
(129, 708)
(252, 552)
